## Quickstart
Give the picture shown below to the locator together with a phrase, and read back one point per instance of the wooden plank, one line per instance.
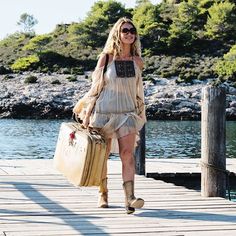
(152, 166)
(48, 205)
(100, 231)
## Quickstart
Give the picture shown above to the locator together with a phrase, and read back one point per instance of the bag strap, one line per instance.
(106, 63)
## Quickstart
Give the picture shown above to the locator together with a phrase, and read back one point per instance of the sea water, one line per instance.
(36, 139)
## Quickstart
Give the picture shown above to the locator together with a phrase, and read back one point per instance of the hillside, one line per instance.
(192, 39)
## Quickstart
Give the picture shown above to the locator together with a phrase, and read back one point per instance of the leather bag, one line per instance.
(80, 155)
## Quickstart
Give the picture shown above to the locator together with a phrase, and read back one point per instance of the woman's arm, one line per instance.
(139, 62)
(101, 63)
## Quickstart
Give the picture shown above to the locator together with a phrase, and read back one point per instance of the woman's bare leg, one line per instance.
(126, 147)
(126, 150)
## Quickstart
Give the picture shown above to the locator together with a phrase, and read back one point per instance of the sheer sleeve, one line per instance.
(86, 104)
(140, 98)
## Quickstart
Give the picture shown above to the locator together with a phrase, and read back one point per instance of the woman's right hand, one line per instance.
(85, 123)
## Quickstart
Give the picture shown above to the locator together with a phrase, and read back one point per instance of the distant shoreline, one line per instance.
(54, 96)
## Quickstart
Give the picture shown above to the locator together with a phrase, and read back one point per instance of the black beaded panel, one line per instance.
(125, 69)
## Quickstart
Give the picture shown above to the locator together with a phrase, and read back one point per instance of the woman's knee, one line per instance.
(126, 152)
(127, 158)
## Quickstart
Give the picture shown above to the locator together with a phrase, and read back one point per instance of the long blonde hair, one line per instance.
(113, 43)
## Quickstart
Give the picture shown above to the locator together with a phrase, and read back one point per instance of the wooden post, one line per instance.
(140, 154)
(213, 159)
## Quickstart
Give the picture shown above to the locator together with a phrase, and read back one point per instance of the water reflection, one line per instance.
(164, 139)
(28, 138)
(182, 139)
(173, 139)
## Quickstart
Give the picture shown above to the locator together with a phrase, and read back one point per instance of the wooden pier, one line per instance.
(36, 200)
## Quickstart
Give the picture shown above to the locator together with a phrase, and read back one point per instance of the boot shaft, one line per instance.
(128, 187)
(103, 186)
(131, 202)
(103, 194)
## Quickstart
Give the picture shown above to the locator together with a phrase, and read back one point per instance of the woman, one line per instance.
(115, 104)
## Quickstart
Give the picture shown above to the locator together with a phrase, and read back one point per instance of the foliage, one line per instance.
(17, 38)
(94, 29)
(7, 77)
(221, 21)
(4, 70)
(55, 61)
(182, 31)
(56, 81)
(71, 78)
(25, 63)
(10, 48)
(227, 66)
(27, 22)
(178, 38)
(30, 79)
(38, 43)
(150, 27)
(185, 67)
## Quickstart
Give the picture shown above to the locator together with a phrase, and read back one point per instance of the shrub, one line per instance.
(7, 77)
(77, 71)
(56, 81)
(25, 63)
(31, 79)
(71, 78)
(187, 77)
(4, 70)
(227, 66)
(44, 69)
(149, 78)
(64, 71)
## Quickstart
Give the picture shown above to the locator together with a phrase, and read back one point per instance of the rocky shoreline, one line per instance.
(165, 99)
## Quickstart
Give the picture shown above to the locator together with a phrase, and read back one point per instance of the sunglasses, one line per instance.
(131, 30)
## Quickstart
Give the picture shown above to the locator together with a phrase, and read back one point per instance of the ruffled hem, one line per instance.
(116, 126)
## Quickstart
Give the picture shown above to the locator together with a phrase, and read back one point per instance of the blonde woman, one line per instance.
(115, 104)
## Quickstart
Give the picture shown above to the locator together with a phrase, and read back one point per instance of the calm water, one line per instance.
(35, 139)
(164, 139)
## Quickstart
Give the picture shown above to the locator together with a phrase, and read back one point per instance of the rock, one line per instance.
(233, 104)
(164, 99)
(231, 113)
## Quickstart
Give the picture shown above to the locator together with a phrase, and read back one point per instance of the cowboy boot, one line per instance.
(131, 202)
(103, 194)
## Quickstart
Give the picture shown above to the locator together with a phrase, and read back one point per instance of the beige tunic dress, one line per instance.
(117, 104)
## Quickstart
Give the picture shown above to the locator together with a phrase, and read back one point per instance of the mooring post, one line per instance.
(140, 153)
(213, 157)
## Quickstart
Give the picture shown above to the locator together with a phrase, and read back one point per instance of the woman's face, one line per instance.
(127, 33)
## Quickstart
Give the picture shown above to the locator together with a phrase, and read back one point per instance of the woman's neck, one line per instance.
(125, 54)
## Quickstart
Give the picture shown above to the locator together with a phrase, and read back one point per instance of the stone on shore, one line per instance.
(53, 96)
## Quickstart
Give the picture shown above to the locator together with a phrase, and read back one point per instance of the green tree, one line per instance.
(139, 2)
(183, 29)
(221, 22)
(27, 22)
(145, 14)
(150, 25)
(38, 43)
(93, 31)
